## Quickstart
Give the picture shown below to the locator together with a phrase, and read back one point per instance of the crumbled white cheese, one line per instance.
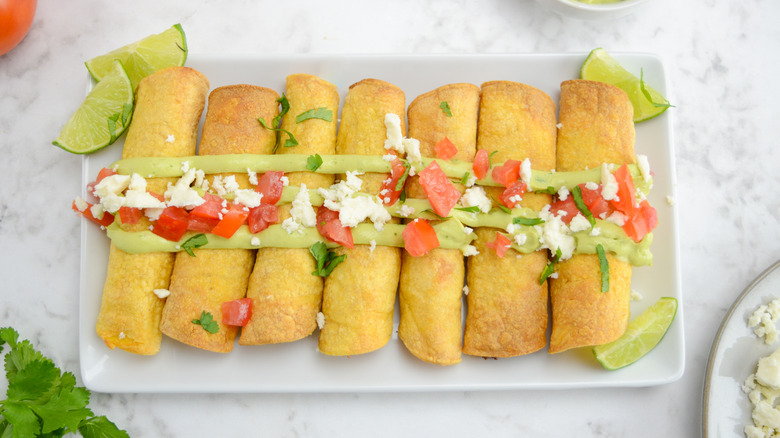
(579, 223)
(763, 389)
(252, 176)
(764, 319)
(644, 167)
(554, 234)
(394, 139)
(142, 199)
(185, 166)
(559, 125)
(249, 198)
(301, 213)
(617, 218)
(609, 185)
(109, 191)
(471, 180)
(468, 230)
(285, 181)
(355, 210)
(389, 157)
(670, 200)
(590, 185)
(97, 211)
(320, 320)
(81, 204)
(406, 210)
(254, 241)
(153, 213)
(225, 185)
(371, 245)
(161, 293)
(476, 197)
(521, 239)
(563, 193)
(465, 289)
(137, 182)
(412, 148)
(170, 139)
(122, 335)
(595, 231)
(469, 250)
(525, 171)
(635, 295)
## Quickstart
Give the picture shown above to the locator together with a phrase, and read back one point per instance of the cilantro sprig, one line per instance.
(44, 401)
(313, 162)
(528, 221)
(277, 121)
(576, 193)
(321, 113)
(446, 108)
(207, 322)
(194, 242)
(550, 268)
(326, 259)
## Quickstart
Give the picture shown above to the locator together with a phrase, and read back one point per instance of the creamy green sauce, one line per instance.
(334, 164)
(450, 232)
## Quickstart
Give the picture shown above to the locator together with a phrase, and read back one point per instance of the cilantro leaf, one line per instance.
(446, 108)
(465, 179)
(277, 121)
(527, 221)
(576, 193)
(550, 268)
(400, 184)
(194, 242)
(321, 113)
(32, 381)
(313, 162)
(290, 142)
(64, 410)
(472, 209)
(326, 259)
(490, 158)
(100, 427)
(604, 267)
(207, 322)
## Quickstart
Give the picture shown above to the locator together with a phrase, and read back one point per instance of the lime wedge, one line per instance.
(641, 336)
(647, 102)
(103, 117)
(144, 57)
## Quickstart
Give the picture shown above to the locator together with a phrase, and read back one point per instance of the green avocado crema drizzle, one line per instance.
(451, 232)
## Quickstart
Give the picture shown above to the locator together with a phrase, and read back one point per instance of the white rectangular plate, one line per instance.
(298, 367)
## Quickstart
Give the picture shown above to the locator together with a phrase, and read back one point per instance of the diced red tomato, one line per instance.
(642, 222)
(261, 217)
(500, 245)
(210, 209)
(516, 189)
(440, 191)
(387, 192)
(568, 206)
(201, 224)
(592, 198)
(105, 221)
(329, 226)
(237, 312)
(231, 221)
(419, 237)
(507, 173)
(444, 149)
(172, 223)
(481, 163)
(626, 193)
(130, 215)
(270, 185)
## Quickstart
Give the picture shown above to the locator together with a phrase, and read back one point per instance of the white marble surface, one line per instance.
(722, 59)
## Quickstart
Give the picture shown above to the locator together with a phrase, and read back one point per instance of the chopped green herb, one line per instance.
(402, 197)
(193, 242)
(604, 267)
(400, 184)
(277, 121)
(321, 113)
(550, 268)
(550, 190)
(446, 108)
(576, 193)
(207, 322)
(465, 179)
(326, 259)
(290, 142)
(44, 401)
(501, 206)
(490, 158)
(647, 93)
(527, 221)
(472, 209)
(428, 210)
(313, 162)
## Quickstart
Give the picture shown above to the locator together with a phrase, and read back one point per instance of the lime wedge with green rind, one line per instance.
(642, 335)
(647, 102)
(144, 57)
(102, 117)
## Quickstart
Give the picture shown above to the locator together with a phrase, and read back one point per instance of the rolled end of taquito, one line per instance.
(168, 107)
(507, 307)
(596, 127)
(359, 295)
(201, 283)
(286, 297)
(431, 285)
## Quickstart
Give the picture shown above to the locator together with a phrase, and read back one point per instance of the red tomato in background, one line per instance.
(237, 312)
(16, 16)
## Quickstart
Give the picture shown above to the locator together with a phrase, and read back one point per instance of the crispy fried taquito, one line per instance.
(168, 107)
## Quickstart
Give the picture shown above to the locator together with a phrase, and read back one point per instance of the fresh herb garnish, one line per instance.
(321, 113)
(44, 401)
(400, 184)
(446, 108)
(193, 242)
(490, 159)
(647, 93)
(604, 267)
(576, 193)
(207, 322)
(529, 221)
(550, 190)
(428, 210)
(277, 121)
(472, 209)
(402, 196)
(326, 259)
(313, 162)
(501, 206)
(550, 268)
(465, 179)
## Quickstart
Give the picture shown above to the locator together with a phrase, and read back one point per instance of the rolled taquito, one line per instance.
(359, 295)
(201, 283)
(286, 297)
(431, 285)
(506, 305)
(596, 127)
(168, 107)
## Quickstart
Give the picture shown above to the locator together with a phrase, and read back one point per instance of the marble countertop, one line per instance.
(721, 58)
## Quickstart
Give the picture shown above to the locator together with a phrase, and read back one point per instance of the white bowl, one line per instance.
(574, 8)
